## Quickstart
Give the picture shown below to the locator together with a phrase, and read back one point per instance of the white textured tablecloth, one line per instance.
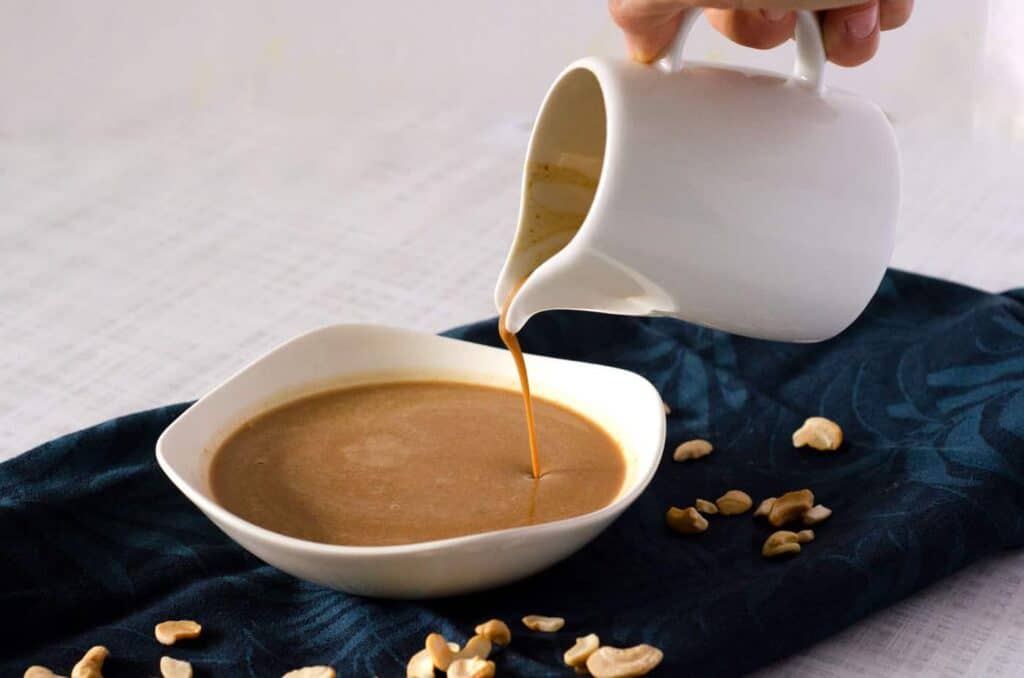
(184, 186)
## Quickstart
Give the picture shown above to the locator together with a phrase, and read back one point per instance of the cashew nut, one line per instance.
(816, 514)
(734, 502)
(170, 632)
(311, 672)
(495, 631)
(443, 653)
(764, 508)
(578, 654)
(477, 646)
(804, 536)
(668, 410)
(790, 506)
(91, 663)
(536, 622)
(473, 667)
(612, 662)
(705, 506)
(781, 543)
(819, 433)
(176, 668)
(39, 672)
(692, 449)
(686, 521)
(420, 666)
(440, 653)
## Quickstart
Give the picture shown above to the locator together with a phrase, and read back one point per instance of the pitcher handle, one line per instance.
(808, 70)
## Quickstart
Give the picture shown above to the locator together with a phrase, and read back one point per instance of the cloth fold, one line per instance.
(928, 386)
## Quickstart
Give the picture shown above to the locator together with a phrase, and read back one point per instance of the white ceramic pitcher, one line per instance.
(743, 200)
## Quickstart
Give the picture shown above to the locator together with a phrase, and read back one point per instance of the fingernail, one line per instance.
(862, 24)
(774, 15)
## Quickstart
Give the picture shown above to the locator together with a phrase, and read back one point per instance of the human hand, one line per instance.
(850, 31)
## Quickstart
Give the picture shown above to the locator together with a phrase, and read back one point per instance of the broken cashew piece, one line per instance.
(764, 508)
(176, 668)
(686, 521)
(734, 502)
(476, 647)
(495, 631)
(37, 671)
(420, 666)
(790, 506)
(705, 506)
(664, 406)
(441, 652)
(577, 655)
(537, 622)
(170, 632)
(311, 672)
(692, 449)
(473, 667)
(612, 662)
(804, 536)
(91, 663)
(816, 514)
(781, 543)
(819, 433)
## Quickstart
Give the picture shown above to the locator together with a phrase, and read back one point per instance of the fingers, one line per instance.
(851, 33)
(649, 26)
(895, 13)
(758, 28)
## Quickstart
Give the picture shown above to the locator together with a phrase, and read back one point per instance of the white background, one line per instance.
(183, 185)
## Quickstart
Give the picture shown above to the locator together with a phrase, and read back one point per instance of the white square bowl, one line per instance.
(625, 404)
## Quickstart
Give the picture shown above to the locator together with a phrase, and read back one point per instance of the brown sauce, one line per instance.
(512, 343)
(398, 463)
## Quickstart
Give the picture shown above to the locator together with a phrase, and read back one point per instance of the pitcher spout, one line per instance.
(581, 279)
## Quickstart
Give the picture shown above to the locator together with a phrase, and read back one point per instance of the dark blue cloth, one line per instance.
(928, 386)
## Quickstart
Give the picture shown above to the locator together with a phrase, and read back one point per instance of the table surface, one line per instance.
(185, 185)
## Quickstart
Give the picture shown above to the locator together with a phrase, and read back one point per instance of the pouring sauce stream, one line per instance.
(512, 343)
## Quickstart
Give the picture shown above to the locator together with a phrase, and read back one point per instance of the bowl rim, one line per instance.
(218, 514)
